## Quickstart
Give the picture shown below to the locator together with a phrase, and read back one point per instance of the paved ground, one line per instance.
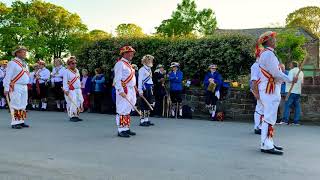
(172, 150)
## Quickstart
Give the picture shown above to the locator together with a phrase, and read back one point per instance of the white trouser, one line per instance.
(74, 98)
(124, 107)
(266, 142)
(18, 100)
(270, 110)
(257, 115)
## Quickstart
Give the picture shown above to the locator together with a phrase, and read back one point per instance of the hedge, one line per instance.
(232, 53)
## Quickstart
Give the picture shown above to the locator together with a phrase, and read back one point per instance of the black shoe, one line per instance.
(272, 151)
(73, 119)
(24, 125)
(144, 124)
(17, 126)
(150, 123)
(257, 131)
(123, 134)
(42, 109)
(279, 148)
(131, 133)
(78, 119)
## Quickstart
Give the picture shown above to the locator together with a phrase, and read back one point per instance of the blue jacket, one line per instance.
(98, 83)
(176, 80)
(87, 86)
(217, 79)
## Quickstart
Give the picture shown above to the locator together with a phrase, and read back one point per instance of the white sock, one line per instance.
(58, 104)
(213, 114)
(44, 105)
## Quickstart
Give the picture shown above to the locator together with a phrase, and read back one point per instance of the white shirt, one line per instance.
(31, 77)
(269, 62)
(298, 85)
(121, 73)
(44, 74)
(13, 69)
(57, 74)
(255, 72)
(145, 76)
(2, 73)
(69, 76)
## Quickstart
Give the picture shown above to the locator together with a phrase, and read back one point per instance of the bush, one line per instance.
(232, 53)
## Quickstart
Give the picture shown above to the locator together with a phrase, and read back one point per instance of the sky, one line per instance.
(230, 14)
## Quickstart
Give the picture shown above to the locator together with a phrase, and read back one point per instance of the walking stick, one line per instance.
(297, 76)
(177, 109)
(144, 99)
(163, 104)
(10, 110)
(134, 107)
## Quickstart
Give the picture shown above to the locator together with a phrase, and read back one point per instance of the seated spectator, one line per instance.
(86, 89)
(98, 90)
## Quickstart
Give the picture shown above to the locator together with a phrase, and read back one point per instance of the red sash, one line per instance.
(271, 83)
(129, 78)
(70, 83)
(20, 74)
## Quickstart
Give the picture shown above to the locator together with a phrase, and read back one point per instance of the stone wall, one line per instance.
(240, 104)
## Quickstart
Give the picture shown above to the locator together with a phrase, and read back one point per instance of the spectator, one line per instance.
(175, 78)
(294, 98)
(86, 89)
(283, 92)
(212, 83)
(159, 89)
(3, 66)
(98, 90)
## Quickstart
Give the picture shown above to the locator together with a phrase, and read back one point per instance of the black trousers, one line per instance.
(43, 91)
(211, 99)
(58, 92)
(97, 101)
(159, 105)
(150, 98)
(1, 89)
(176, 97)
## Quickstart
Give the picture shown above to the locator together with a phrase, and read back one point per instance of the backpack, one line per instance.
(186, 112)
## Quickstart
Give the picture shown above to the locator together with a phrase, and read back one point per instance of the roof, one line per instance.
(256, 32)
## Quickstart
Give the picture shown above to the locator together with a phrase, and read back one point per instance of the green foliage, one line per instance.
(290, 46)
(306, 17)
(46, 29)
(233, 53)
(129, 31)
(187, 20)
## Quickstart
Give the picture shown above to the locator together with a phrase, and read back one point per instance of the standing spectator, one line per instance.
(57, 82)
(212, 83)
(175, 78)
(3, 66)
(283, 92)
(294, 98)
(86, 89)
(159, 89)
(98, 89)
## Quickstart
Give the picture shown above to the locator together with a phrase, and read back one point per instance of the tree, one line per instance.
(290, 46)
(306, 17)
(129, 31)
(186, 20)
(46, 29)
(97, 34)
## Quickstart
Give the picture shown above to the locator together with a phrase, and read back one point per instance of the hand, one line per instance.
(295, 79)
(6, 93)
(66, 93)
(88, 94)
(122, 94)
(140, 93)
